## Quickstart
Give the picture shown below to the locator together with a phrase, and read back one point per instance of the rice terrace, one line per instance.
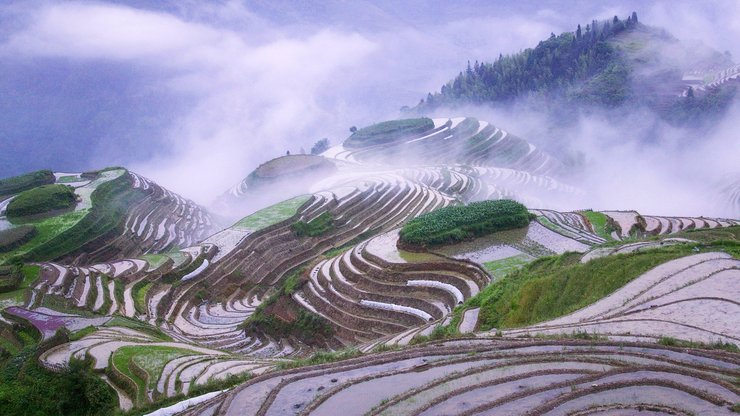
(435, 263)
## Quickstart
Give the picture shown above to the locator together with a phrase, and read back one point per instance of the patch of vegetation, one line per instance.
(16, 184)
(692, 110)
(288, 166)
(82, 333)
(272, 214)
(15, 237)
(385, 348)
(65, 305)
(125, 322)
(320, 146)
(389, 131)
(441, 331)
(69, 179)
(316, 227)
(590, 336)
(719, 345)
(306, 326)
(555, 286)
(154, 359)
(321, 357)
(72, 232)
(453, 224)
(601, 225)
(28, 389)
(500, 268)
(151, 359)
(40, 200)
(139, 292)
(46, 230)
(16, 280)
(175, 276)
(10, 278)
(155, 260)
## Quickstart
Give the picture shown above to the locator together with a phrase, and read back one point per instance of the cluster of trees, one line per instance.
(320, 146)
(553, 65)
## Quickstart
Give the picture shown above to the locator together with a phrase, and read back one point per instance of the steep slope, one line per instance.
(163, 311)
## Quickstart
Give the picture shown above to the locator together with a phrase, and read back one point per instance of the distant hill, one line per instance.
(606, 64)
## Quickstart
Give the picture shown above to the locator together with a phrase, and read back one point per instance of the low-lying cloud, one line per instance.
(261, 85)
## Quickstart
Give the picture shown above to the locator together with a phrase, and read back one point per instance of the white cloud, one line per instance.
(261, 88)
(252, 99)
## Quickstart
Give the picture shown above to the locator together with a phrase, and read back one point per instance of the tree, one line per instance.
(690, 92)
(634, 17)
(352, 129)
(578, 32)
(320, 146)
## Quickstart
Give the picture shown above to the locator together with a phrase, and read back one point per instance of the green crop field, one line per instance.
(453, 224)
(41, 199)
(599, 223)
(272, 214)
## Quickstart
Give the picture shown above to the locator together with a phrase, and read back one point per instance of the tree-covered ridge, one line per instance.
(552, 66)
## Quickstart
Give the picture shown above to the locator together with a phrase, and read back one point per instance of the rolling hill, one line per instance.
(307, 304)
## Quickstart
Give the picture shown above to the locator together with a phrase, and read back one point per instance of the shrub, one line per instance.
(41, 199)
(16, 184)
(15, 237)
(26, 388)
(389, 131)
(453, 224)
(320, 146)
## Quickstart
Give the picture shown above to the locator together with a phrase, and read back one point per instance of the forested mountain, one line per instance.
(604, 65)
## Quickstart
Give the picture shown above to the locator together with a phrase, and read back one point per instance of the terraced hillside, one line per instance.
(116, 213)
(160, 308)
(463, 140)
(493, 377)
(290, 174)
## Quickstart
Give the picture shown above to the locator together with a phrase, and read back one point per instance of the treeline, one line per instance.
(553, 65)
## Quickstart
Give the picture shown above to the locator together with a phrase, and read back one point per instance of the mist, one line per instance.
(211, 90)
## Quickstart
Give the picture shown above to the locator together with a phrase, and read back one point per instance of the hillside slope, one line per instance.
(607, 64)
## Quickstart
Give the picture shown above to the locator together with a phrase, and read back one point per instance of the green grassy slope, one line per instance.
(16, 184)
(41, 199)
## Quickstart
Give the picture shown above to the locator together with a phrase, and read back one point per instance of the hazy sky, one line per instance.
(196, 94)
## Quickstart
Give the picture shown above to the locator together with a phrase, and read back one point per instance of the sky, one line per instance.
(196, 94)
